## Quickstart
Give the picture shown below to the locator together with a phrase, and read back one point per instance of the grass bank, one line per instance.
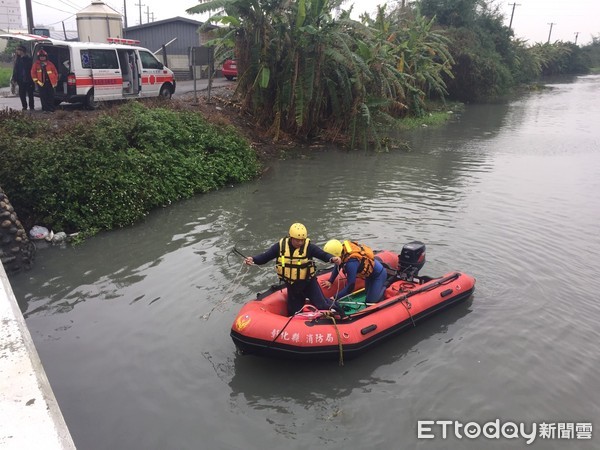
(439, 113)
(5, 74)
(109, 170)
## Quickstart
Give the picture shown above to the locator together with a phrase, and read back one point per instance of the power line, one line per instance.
(61, 21)
(70, 5)
(51, 7)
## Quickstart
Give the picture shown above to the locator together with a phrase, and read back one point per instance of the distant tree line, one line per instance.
(489, 61)
(307, 68)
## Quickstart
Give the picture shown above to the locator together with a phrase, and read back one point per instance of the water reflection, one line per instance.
(294, 384)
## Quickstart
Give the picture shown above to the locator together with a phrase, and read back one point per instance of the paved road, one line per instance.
(7, 100)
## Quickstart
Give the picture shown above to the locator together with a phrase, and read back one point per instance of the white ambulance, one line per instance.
(91, 72)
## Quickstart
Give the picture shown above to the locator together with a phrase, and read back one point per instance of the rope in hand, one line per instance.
(237, 252)
(228, 295)
(337, 281)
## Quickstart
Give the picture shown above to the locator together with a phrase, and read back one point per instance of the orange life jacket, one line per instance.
(361, 252)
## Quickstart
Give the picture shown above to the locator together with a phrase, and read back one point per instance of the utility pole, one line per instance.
(147, 14)
(140, 5)
(512, 14)
(125, 12)
(550, 33)
(29, 12)
(576, 36)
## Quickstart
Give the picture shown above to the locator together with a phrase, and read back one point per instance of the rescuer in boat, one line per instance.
(296, 268)
(356, 260)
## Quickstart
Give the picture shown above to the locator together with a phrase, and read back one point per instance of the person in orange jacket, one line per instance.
(45, 75)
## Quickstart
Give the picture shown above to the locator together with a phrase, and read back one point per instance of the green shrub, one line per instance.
(111, 170)
(5, 74)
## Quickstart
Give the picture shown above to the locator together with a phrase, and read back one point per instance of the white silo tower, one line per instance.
(97, 22)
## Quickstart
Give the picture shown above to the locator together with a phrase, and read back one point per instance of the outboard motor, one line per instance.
(410, 260)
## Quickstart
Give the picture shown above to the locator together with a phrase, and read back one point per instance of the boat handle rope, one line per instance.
(326, 314)
(387, 303)
(329, 315)
(301, 310)
(408, 306)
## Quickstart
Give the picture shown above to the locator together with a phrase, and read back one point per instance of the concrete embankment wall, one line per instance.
(16, 251)
(30, 417)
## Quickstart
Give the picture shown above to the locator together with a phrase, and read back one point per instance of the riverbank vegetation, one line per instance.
(308, 70)
(5, 76)
(109, 170)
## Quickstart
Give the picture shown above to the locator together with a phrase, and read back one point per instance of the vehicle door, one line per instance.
(29, 41)
(106, 72)
(153, 72)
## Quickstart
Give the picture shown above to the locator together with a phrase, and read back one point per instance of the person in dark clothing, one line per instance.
(296, 268)
(22, 76)
(44, 73)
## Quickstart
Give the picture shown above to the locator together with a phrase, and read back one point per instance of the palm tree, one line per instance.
(306, 66)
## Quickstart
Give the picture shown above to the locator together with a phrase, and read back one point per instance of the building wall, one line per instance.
(99, 29)
(153, 37)
(10, 15)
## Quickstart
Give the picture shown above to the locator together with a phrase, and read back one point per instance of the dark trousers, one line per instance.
(300, 290)
(47, 97)
(25, 92)
(375, 286)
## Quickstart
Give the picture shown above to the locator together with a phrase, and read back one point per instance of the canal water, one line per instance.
(133, 325)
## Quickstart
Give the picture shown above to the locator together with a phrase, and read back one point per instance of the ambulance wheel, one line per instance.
(90, 101)
(165, 92)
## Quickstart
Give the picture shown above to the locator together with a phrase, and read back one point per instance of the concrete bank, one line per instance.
(30, 415)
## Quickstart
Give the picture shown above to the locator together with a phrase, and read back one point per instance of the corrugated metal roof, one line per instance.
(71, 35)
(167, 21)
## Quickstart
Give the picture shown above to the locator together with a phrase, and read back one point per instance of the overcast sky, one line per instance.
(531, 20)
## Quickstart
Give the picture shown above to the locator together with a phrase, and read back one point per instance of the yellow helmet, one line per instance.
(298, 231)
(333, 247)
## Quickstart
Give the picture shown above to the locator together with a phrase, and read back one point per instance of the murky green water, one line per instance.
(507, 193)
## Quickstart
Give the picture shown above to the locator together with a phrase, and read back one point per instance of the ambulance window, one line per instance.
(85, 60)
(103, 59)
(149, 61)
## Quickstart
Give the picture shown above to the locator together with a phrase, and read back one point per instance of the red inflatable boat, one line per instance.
(263, 327)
